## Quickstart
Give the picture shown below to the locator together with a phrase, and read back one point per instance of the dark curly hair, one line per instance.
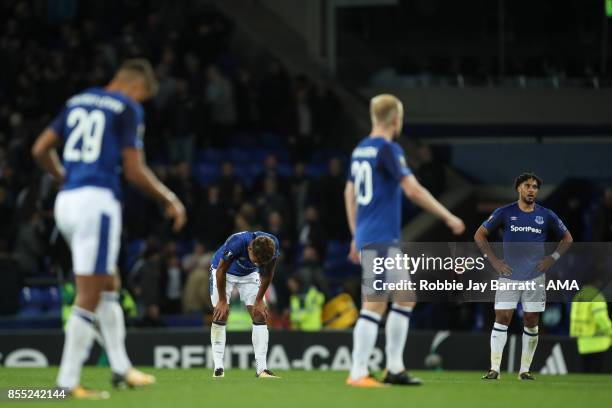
(527, 176)
(263, 249)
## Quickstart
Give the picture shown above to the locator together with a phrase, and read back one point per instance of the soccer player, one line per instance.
(526, 227)
(247, 261)
(373, 196)
(100, 130)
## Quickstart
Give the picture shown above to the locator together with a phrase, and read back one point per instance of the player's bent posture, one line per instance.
(526, 227)
(100, 130)
(246, 261)
(373, 196)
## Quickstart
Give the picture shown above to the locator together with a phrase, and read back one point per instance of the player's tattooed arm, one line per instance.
(480, 238)
(45, 152)
(222, 307)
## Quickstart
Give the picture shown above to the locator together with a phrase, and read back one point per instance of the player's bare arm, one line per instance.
(423, 198)
(44, 151)
(482, 242)
(139, 174)
(222, 308)
(351, 216)
(549, 260)
(267, 274)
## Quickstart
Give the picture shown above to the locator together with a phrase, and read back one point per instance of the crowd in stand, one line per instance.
(209, 100)
(236, 140)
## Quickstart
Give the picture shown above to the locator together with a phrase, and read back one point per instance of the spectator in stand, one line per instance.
(271, 199)
(310, 269)
(312, 232)
(179, 117)
(431, 173)
(172, 284)
(219, 96)
(144, 282)
(196, 297)
(228, 182)
(270, 170)
(602, 229)
(212, 219)
(327, 113)
(11, 280)
(305, 138)
(300, 189)
(331, 201)
(7, 213)
(246, 100)
(275, 101)
(275, 225)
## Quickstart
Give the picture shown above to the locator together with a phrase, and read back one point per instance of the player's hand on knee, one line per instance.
(176, 212)
(221, 311)
(260, 309)
(456, 225)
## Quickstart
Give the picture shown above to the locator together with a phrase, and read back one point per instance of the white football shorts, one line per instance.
(89, 219)
(531, 300)
(247, 286)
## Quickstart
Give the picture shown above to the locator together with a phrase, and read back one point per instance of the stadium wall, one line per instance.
(482, 105)
(299, 350)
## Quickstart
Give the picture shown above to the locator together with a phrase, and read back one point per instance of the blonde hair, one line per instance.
(384, 108)
(142, 68)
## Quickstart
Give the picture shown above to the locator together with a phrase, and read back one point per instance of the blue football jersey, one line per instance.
(235, 250)
(524, 235)
(377, 167)
(95, 126)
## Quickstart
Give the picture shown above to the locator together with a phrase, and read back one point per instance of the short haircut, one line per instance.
(142, 67)
(527, 176)
(263, 249)
(384, 108)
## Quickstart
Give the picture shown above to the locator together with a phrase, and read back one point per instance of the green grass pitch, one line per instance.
(320, 389)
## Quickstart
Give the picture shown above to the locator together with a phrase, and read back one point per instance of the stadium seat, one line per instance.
(206, 174)
(316, 170)
(210, 156)
(285, 170)
(238, 155)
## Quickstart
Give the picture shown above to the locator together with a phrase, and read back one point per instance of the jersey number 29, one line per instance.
(362, 173)
(88, 126)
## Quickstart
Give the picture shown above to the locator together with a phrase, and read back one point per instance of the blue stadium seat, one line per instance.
(258, 155)
(185, 247)
(271, 140)
(238, 156)
(244, 140)
(284, 170)
(338, 248)
(316, 170)
(206, 174)
(210, 156)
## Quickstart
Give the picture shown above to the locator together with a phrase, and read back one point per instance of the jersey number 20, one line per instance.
(362, 173)
(88, 127)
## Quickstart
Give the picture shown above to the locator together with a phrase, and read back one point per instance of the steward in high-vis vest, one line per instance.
(306, 309)
(590, 324)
